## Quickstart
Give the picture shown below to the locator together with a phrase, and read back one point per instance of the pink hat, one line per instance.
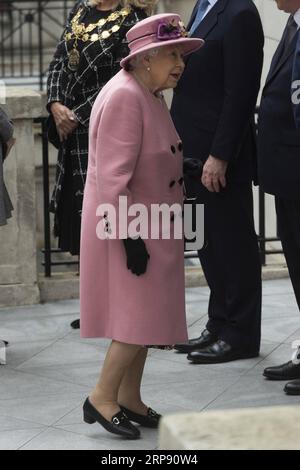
(158, 31)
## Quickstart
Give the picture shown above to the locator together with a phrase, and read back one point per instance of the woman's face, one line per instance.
(103, 3)
(166, 67)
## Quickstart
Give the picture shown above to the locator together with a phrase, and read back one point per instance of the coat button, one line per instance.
(172, 184)
(180, 147)
(180, 181)
(173, 149)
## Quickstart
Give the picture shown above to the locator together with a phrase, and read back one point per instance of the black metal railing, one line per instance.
(49, 253)
(263, 240)
(29, 33)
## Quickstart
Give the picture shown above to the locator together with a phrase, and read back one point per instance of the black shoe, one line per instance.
(75, 324)
(151, 420)
(6, 343)
(288, 371)
(292, 388)
(205, 339)
(219, 352)
(119, 424)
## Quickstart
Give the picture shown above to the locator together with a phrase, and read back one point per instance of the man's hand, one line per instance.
(65, 120)
(214, 174)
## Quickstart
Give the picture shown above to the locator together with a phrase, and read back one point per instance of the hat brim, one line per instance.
(189, 45)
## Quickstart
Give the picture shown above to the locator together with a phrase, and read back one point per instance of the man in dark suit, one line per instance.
(279, 161)
(213, 110)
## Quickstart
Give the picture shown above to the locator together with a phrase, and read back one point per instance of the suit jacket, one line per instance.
(278, 137)
(214, 103)
(6, 132)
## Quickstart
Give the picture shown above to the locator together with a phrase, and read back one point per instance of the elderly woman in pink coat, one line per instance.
(132, 287)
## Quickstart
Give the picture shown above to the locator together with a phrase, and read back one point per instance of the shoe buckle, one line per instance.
(152, 413)
(116, 421)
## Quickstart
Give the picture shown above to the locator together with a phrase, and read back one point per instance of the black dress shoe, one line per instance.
(288, 371)
(75, 324)
(6, 343)
(292, 388)
(119, 423)
(151, 420)
(205, 339)
(219, 352)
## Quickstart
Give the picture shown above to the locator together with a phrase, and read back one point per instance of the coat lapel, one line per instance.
(210, 20)
(278, 61)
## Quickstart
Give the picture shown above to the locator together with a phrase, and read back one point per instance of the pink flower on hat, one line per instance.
(167, 31)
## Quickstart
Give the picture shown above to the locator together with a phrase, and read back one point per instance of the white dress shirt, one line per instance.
(296, 17)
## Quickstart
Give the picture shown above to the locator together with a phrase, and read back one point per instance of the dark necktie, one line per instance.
(201, 10)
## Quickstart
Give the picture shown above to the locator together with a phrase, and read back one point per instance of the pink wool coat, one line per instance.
(134, 150)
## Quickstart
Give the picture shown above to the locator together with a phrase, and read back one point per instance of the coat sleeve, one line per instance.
(243, 61)
(118, 145)
(6, 127)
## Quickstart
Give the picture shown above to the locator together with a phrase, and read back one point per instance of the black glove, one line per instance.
(137, 255)
(192, 167)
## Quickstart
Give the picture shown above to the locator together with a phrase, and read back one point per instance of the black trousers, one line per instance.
(231, 264)
(288, 217)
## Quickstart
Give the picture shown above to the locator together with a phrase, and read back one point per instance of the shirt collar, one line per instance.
(212, 2)
(297, 18)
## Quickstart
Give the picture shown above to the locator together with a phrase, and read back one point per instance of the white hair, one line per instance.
(136, 61)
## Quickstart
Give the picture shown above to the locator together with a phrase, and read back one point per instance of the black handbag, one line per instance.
(52, 133)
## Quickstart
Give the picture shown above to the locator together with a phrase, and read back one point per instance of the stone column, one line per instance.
(18, 265)
(272, 428)
(183, 7)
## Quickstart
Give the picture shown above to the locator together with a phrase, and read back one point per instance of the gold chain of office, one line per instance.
(83, 33)
(80, 31)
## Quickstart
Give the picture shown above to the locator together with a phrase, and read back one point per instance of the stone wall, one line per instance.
(273, 428)
(18, 273)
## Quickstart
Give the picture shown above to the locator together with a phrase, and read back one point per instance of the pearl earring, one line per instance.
(148, 68)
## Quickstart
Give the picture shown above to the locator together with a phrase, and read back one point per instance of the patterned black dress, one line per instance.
(99, 62)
